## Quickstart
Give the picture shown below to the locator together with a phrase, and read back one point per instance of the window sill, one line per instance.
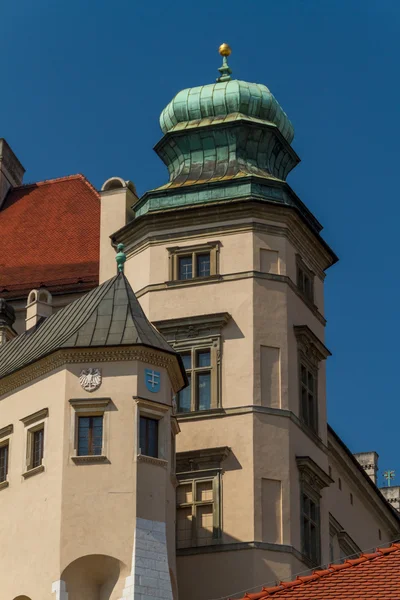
(199, 413)
(4, 485)
(160, 462)
(90, 459)
(32, 472)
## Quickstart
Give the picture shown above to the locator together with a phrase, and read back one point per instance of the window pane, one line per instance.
(203, 265)
(203, 392)
(37, 454)
(149, 437)
(203, 358)
(3, 463)
(303, 375)
(204, 524)
(184, 398)
(97, 436)
(184, 493)
(184, 527)
(204, 491)
(185, 267)
(187, 361)
(306, 538)
(310, 382)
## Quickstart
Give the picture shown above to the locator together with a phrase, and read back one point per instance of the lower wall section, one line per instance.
(150, 578)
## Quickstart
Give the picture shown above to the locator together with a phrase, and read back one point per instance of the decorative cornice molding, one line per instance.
(159, 462)
(197, 460)
(34, 417)
(312, 474)
(5, 431)
(310, 345)
(62, 357)
(4, 485)
(193, 327)
(93, 404)
(237, 546)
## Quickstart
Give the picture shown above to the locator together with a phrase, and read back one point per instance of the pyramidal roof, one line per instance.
(109, 315)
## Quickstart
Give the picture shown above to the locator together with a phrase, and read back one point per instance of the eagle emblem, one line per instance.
(90, 379)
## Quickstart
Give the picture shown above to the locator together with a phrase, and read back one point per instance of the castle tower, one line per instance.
(87, 453)
(230, 264)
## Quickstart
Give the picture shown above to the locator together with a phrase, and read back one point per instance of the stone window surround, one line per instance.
(310, 353)
(312, 480)
(346, 544)
(89, 407)
(200, 331)
(205, 465)
(34, 422)
(5, 440)
(301, 266)
(153, 410)
(175, 252)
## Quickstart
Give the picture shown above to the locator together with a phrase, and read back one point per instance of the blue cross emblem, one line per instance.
(152, 379)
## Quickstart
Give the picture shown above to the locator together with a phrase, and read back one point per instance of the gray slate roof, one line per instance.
(109, 315)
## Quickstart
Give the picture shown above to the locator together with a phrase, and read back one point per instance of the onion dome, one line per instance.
(225, 97)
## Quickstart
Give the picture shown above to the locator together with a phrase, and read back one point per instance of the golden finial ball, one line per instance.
(225, 50)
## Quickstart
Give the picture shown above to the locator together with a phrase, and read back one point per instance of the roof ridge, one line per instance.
(57, 180)
(364, 557)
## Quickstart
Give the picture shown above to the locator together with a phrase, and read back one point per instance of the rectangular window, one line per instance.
(90, 436)
(310, 528)
(196, 513)
(192, 262)
(3, 462)
(308, 399)
(37, 441)
(148, 439)
(305, 280)
(200, 373)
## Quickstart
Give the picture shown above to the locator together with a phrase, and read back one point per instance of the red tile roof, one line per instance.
(373, 576)
(49, 235)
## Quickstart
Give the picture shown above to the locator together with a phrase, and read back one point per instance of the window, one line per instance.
(37, 446)
(89, 442)
(148, 442)
(3, 462)
(310, 528)
(195, 513)
(310, 351)
(90, 435)
(308, 396)
(197, 396)
(305, 280)
(192, 262)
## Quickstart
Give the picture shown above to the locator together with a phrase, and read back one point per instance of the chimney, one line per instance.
(39, 306)
(7, 318)
(116, 199)
(11, 170)
(369, 462)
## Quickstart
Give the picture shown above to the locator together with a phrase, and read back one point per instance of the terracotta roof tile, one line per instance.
(49, 235)
(372, 576)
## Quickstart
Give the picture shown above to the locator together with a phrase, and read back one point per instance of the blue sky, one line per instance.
(82, 86)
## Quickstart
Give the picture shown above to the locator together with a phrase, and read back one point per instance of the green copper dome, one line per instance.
(224, 98)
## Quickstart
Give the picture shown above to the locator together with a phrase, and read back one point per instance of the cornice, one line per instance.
(158, 287)
(60, 358)
(36, 416)
(158, 462)
(5, 431)
(312, 474)
(249, 214)
(310, 345)
(197, 460)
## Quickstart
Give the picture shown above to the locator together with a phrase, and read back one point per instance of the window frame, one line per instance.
(5, 440)
(314, 497)
(89, 407)
(148, 419)
(302, 272)
(91, 443)
(193, 374)
(201, 477)
(34, 423)
(157, 411)
(304, 413)
(176, 253)
(5, 445)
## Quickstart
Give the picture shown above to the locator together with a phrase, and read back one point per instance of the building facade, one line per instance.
(229, 266)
